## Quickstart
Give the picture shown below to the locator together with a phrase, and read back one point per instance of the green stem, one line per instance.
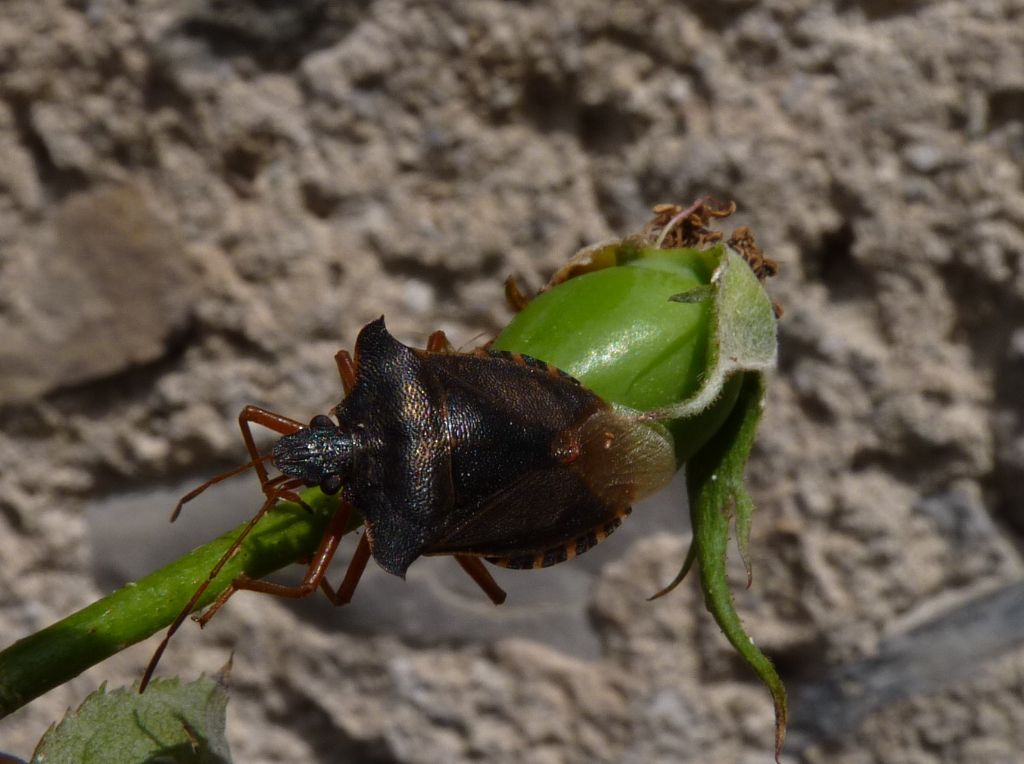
(714, 481)
(60, 652)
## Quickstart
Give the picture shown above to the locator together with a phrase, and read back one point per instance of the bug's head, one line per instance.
(320, 454)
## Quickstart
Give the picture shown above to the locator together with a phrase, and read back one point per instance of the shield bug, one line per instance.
(488, 455)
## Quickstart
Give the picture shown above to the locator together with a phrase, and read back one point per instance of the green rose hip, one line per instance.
(685, 337)
(619, 331)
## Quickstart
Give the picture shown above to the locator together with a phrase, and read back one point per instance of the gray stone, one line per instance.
(104, 287)
(201, 202)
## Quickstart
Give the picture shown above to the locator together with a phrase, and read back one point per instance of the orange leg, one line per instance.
(514, 295)
(249, 415)
(355, 571)
(276, 422)
(346, 369)
(315, 573)
(474, 566)
(438, 343)
(280, 490)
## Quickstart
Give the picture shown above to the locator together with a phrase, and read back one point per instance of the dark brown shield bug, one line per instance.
(487, 455)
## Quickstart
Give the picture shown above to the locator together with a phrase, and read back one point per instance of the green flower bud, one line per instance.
(685, 336)
(638, 333)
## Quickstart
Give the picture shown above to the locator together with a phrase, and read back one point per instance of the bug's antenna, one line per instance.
(280, 491)
(213, 481)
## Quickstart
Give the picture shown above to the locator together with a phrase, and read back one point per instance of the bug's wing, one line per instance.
(622, 456)
(615, 460)
(502, 418)
(539, 510)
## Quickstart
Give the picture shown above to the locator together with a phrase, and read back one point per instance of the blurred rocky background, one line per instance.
(202, 200)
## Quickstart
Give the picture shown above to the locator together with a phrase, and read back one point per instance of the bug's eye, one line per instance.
(320, 422)
(331, 484)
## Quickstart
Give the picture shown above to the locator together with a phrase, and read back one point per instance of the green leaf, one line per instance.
(714, 482)
(744, 334)
(171, 722)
